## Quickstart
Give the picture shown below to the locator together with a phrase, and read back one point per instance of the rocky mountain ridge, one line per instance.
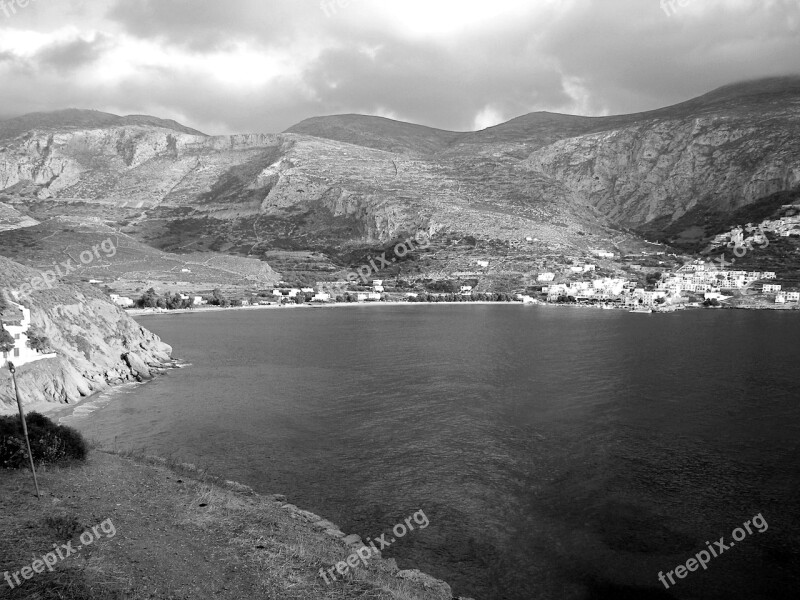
(341, 185)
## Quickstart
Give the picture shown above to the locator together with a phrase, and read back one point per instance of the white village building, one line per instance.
(21, 354)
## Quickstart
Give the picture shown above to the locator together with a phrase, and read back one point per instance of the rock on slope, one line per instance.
(97, 344)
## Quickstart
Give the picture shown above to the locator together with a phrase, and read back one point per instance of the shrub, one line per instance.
(37, 341)
(6, 340)
(50, 443)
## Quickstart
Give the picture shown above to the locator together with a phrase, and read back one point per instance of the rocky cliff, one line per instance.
(665, 168)
(96, 343)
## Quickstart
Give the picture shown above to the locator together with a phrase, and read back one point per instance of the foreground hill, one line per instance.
(536, 192)
(97, 344)
(176, 532)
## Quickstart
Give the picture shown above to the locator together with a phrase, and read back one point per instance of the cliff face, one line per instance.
(253, 193)
(96, 343)
(664, 168)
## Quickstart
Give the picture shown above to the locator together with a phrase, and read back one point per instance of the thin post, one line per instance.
(24, 427)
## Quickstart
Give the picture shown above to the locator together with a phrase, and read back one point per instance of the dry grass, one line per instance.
(181, 534)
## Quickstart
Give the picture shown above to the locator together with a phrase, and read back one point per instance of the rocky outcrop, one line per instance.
(97, 344)
(664, 168)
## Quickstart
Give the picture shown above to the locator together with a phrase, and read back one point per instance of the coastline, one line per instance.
(138, 312)
(178, 529)
(142, 312)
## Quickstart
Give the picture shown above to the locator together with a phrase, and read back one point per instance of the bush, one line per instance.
(50, 443)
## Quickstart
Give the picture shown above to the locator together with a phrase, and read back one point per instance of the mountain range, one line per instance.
(537, 192)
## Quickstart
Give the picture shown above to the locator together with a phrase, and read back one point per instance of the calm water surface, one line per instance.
(558, 453)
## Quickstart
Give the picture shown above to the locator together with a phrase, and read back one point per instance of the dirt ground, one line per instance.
(166, 532)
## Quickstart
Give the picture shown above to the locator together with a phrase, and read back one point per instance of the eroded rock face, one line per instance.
(666, 167)
(97, 344)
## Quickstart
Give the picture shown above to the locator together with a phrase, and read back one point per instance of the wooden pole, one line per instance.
(24, 427)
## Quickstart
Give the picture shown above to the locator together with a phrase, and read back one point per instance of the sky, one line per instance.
(235, 66)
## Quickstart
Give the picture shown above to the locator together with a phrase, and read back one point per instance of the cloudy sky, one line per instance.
(226, 66)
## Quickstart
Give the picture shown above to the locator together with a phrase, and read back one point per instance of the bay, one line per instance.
(558, 453)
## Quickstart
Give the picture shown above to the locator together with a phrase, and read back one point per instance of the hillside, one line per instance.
(536, 192)
(377, 132)
(178, 532)
(96, 343)
(75, 119)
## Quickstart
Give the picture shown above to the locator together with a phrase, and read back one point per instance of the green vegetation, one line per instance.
(169, 301)
(6, 341)
(474, 297)
(50, 443)
(38, 341)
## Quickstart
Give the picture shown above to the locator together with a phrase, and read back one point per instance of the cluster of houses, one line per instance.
(606, 289)
(126, 302)
(373, 295)
(575, 270)
(784, 297)
(700, 277)
(292, 293)
(603, 254)
(784, 227)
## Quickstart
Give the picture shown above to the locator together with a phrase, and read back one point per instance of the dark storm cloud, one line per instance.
(72, 54)
(432, 85)
(635, 56)
(207, 25)
(251, 65)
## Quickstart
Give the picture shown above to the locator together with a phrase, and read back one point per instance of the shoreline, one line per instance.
(138, 312)
(141, 312)
(178, 527)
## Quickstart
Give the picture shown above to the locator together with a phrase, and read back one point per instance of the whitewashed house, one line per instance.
(122, 301)
(770, 288)
(368, 296)
(546, 277)
(321, 297)
(21, 354)
(793, 296)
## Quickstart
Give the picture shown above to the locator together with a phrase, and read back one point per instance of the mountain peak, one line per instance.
(76, 118)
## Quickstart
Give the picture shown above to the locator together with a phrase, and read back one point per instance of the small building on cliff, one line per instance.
(16, 321)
